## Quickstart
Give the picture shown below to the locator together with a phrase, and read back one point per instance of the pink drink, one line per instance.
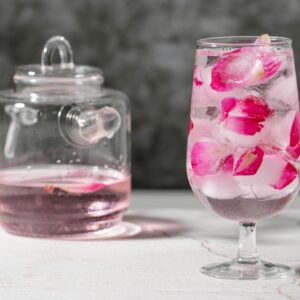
(61, 200)
(244, 136)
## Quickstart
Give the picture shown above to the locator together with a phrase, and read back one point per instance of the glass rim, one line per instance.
(237, 41)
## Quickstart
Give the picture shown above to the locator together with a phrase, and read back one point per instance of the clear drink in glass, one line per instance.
(244, 139)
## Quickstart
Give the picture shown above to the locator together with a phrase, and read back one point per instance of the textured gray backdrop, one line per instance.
(145, 48)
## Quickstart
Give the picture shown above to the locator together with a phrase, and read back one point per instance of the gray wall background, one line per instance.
(145, 48)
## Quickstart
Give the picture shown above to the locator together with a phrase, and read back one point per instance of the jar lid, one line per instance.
(62, 78)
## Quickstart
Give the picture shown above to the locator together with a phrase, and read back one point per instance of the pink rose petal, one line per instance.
(81, 189)
(294, 151)
(245, 126)
(294, 147)
(197, 82)
(204, 157)
(245, 67)
(191, 125)
(228, 104)
(226, 164)
(288, 175)
(244, 116)
(224, 76)
(249, 162)
(271, 65)
(255, 107)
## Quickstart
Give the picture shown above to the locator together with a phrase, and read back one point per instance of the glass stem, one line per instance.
(247, 252)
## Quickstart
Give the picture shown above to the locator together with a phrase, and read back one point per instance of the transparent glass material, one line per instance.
(65, 152)
(244, 140)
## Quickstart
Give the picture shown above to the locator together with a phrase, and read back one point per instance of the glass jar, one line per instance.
(65, 151)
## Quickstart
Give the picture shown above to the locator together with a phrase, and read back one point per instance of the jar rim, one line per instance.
(31, 98)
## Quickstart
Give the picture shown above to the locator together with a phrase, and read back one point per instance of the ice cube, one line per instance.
(213, 98)
(280, 107)
(201, 59)
(211, 60)
(209, 113)
(239, 140)
(219, 186)
(205, 129)
(285, 90)
(212, 113)
(278, 129)
(264, 193)
(268, 173)
(263, 87)
(198, 95)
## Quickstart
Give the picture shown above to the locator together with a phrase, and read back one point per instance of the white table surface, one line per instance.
(161, 262)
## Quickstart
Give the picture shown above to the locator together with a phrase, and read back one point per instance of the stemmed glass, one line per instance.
(244, 140)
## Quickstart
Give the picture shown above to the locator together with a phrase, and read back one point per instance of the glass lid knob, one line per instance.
(61, 78)
(65, 52)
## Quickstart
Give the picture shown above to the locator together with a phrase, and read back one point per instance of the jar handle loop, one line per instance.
(65, 52)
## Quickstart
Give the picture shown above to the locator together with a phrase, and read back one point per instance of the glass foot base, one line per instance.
(247, 271)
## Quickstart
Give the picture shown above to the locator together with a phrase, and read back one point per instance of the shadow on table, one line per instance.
(155, 227)
(147, 227)
(135, 227)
